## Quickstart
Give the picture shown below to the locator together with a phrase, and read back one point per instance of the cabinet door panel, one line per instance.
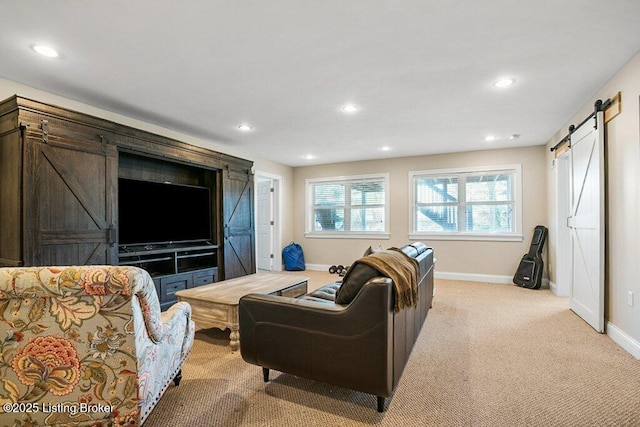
(239, 236)
(10, 199)
(70, 203)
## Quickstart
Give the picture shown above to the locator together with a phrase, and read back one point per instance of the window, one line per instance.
(348, 206)
(467, 204)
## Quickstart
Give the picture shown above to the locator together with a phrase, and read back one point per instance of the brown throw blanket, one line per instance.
(400, 268)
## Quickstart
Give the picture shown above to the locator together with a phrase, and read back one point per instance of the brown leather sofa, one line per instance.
(363, 345)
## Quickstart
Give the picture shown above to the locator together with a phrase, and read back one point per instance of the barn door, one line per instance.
(239, 234)
(70, 201)
(586, 222)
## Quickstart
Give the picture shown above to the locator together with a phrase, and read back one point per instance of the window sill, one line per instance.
(371, 236)
(468, 237)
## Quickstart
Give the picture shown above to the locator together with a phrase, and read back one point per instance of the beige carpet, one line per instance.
(488, 355)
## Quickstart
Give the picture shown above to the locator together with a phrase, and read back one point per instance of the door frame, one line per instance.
(563, 234)
(276, 183)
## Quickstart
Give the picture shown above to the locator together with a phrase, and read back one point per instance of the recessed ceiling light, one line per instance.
(502, 83)
(308, 156)
(245, 127)
(350, 108)
(385, 148)
(45, 50)
(489, 138)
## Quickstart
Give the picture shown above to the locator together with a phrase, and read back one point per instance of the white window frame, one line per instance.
(309, 216)
(515, 236)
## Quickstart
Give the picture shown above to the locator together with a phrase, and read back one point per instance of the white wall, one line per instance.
(622, 207)
(495, 260)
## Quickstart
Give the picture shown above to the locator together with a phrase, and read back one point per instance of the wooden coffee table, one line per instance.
(216, 305)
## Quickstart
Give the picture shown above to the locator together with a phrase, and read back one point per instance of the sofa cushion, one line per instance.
(327, 292)
(354, 280)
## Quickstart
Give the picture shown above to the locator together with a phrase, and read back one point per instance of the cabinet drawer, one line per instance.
(207, 272)
(204, 277)
(170, 285)
(204, 280)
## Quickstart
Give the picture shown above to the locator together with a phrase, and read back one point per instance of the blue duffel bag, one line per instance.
(293, 257)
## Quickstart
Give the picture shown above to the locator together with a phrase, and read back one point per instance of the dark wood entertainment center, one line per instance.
(59, 173)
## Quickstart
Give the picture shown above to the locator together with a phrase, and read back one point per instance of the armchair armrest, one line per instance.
(177, 323)
(145, 292)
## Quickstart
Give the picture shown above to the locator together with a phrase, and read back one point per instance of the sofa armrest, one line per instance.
(323, 341)
(325, 317)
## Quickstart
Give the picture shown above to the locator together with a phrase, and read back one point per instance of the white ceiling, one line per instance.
(421, 71)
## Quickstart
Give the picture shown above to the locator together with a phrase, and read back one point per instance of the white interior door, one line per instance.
(586, 222)
(264, 226)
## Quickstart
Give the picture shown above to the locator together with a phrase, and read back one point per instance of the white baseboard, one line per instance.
(623, 340)
(484, 278)
(317, 267)
(443, 275)
(558, 290)
(470, 277)
(467, 277)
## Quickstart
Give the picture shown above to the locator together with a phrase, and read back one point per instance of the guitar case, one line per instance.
(529, 272)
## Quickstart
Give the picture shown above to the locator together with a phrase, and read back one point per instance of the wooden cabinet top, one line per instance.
(18, 111)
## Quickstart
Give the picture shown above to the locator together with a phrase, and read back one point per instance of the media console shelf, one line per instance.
(173, 267)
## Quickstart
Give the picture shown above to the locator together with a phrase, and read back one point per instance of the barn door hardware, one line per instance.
(45, 131)
(597, 106)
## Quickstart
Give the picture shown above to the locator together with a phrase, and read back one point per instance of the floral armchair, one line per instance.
(86, 346)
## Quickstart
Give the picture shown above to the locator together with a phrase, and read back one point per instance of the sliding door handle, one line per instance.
(570, 222)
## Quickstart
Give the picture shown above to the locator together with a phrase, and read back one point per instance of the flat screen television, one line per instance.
(162, 213)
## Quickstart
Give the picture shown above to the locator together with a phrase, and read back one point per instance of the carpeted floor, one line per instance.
(488, 355)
